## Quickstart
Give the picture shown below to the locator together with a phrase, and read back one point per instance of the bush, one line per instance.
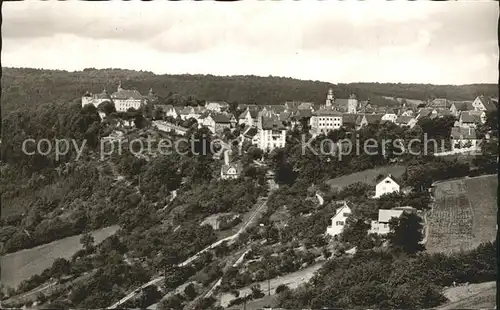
(282, 288)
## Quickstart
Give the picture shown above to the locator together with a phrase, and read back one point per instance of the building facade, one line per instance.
(325, 120)
(272, 134)
(386, 186)
(123, 99)
(338, 221)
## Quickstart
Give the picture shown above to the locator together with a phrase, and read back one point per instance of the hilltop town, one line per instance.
(265, 126)
(256, 222)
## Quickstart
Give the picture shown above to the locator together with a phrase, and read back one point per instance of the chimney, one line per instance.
(226, 157)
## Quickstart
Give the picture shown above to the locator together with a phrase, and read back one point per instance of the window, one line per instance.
(339, 223)
(346, 214)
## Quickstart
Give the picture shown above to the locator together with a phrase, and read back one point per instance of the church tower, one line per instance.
(352, 104)
(329, 98)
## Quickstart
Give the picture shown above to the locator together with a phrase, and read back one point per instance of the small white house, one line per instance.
(338, 220)
(386, 186)
(229, 170)
(381, 226)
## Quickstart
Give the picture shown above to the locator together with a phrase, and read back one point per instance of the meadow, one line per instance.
(367, 176)
(21, 265)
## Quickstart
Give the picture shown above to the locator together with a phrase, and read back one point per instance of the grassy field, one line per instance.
(464, 214)
(471, 296)
(23, 264)
(366, 176)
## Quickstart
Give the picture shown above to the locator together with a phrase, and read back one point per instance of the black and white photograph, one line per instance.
(213, 155)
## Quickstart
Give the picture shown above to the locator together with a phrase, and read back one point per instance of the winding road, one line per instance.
(261, 204)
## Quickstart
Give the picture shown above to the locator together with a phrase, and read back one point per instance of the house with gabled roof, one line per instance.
(485, 103)
(272, 134)
(349, 121)
(386, 186)
(460, 106)
(230, 170)
(274, 108)
(338, 220)
(471, 119)
(439, 103)
(369, 119)
(463, 138)
(216, 122)
(381, 226)
(217, 106)
(403, 121)
(248, 117)
(389, 117)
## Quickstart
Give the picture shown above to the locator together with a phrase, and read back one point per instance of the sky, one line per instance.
(331, 41)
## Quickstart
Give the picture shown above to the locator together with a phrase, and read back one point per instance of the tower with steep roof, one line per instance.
(330, 99)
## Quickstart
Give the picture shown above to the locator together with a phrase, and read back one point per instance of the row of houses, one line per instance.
(387, 185)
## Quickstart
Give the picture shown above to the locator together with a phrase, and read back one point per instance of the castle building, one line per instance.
(123, 99)
(95, 99)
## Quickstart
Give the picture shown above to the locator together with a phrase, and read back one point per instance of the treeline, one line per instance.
(23, 86)
(429, 91)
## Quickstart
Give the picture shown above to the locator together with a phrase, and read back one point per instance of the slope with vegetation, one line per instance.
(47, 198)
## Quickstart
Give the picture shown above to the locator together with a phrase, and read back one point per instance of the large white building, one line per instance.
(339, 220)
(272, 134)
(386, 186)
(123, 99)
(325, 120)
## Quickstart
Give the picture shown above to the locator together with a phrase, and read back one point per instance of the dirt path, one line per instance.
(477, 295)
(292, 280)
(262, 204)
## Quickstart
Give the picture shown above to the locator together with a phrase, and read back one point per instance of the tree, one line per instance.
(282, 288)
(355, 231)
(172, 303)
(87, 240)
(107, 107)
(190, 291)
(60, 267)
(406, 233)
(149, 295)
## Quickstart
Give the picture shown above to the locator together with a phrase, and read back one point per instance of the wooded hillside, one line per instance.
(26, 87)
